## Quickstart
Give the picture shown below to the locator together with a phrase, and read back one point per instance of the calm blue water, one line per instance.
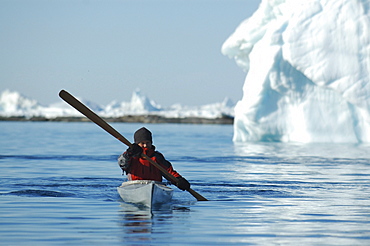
(58, 187)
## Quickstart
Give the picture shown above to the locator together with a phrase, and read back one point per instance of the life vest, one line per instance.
(141, 169)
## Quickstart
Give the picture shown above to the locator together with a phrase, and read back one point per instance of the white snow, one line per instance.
(139, 104)
(15, 104)
(308, 72)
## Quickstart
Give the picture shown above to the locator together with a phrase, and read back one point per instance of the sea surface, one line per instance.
(58, 187)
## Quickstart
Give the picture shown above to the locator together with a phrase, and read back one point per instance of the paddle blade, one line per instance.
(198, 196)
(71, 100)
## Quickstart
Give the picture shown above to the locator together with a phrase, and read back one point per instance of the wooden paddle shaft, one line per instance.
(71, 100)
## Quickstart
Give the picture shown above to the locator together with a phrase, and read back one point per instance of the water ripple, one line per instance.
(40, 193)
(61, 157)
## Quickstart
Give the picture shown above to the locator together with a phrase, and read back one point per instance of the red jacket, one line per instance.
(140, 169)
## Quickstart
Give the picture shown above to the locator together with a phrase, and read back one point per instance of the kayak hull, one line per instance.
(145, 192)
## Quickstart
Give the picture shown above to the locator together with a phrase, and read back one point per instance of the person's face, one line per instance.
(145, 144)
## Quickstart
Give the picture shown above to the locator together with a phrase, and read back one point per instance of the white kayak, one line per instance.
(146, 192)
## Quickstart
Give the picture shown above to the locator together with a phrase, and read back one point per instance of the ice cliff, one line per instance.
(308, 67)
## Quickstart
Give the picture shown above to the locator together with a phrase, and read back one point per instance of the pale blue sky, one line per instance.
(103, 50)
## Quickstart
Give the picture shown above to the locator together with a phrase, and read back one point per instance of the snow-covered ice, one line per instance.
(308, 67)
(13, 103)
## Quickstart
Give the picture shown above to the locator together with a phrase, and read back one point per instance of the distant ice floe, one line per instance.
(13, 103)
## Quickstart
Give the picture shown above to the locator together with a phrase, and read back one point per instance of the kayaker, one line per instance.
(138, 168)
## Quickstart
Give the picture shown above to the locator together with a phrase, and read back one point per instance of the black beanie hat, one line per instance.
(142, 134)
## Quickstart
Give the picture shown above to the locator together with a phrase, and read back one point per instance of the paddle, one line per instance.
(71, 100)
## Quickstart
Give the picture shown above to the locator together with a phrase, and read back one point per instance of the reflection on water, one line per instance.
(136, 223)
(303, 149)
(143, 224)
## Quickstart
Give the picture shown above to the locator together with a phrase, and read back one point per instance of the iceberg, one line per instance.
(308, 72)
(15, 104)
(139, 104)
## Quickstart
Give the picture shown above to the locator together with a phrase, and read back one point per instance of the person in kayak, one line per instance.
(138, 168)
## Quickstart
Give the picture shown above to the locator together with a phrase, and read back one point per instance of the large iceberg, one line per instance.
(308, 67)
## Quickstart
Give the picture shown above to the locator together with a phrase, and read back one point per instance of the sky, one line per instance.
(103, 50)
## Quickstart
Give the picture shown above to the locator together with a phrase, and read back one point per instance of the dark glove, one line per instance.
(124, 162)
(183, 184)
(134, 150)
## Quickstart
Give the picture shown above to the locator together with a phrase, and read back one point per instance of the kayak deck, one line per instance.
(146, 192)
